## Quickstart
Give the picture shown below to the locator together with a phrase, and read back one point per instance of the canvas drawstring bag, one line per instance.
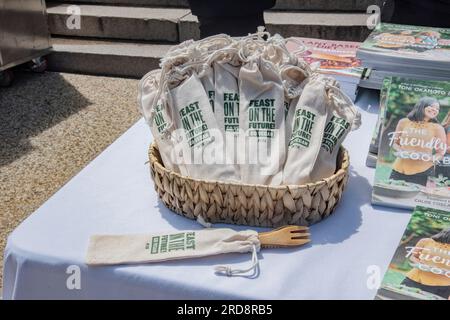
(153, 248)
(342, 119)
(289, 105)
(294, 79)
(200, 151)
(179, 49)
(262, 119)
(309, 121)
(208, 82)
(219, 78)
(294, 73)
(208, 47)
(275, 50)
(158, 117)
(213, 43)
(226, 66)
(200, 142)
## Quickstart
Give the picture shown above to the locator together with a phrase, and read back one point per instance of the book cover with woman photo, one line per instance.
(420, 268)
(413, 164)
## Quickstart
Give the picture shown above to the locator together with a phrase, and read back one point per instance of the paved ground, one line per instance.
(51, 126)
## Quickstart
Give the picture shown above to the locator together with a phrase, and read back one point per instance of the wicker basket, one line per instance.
(245, 204)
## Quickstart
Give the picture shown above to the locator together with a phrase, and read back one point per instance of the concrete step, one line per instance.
(334, 26)
(326, 5)
(105, 57)
(133, 3)
(299, 5)
(175, 25)
(112, 22)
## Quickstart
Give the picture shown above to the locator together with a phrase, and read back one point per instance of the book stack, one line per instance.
(419, 268)
(404, 51)
(371, 160)
(334, 58)
(411, 144)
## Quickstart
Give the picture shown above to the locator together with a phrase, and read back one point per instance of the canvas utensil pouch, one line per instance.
(153, 248)
(158, 117)
(342, 119)
(219, 78)
(199, 140)
(294, 79)
(262, 121)
(212, 44)
(276, 51)
(208, 82)
(226, 103)
(308, 124)
(204, 52)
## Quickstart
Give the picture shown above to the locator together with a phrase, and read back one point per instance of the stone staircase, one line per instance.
(127, 37)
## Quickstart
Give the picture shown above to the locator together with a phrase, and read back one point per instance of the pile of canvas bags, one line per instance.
(245, 110)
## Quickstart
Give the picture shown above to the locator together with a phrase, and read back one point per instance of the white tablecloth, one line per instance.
(114, 195)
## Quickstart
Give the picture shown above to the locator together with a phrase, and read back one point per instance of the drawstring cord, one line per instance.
(203, 222)
(342, 103)
(148, 77)
(178, 65)
(230, 272)
(293, 88)
(302, 48)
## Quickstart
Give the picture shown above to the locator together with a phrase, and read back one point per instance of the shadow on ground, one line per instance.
(32, 105)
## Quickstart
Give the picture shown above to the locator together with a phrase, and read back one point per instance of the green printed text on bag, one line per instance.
(144, 248)
(302, 131)
(172, 242)
(334, 130)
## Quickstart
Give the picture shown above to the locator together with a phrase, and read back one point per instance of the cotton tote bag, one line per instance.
(342, 119)
(199, 140)
(308, 124)
(158, 116)
(226, 73)
(160, 247)
(226, 65)
(208, 82)
(294, 78)
(262, 122)
(208, 48)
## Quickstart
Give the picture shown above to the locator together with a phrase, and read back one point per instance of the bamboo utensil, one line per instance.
(287, 236)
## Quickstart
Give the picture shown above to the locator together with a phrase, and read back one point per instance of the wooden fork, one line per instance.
(287, 236)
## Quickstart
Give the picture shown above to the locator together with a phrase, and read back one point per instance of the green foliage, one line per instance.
(441, 181)
(404, 265)
(393, 277)
(383, 172)
(414, 31)
(401, 102)
(422, 226)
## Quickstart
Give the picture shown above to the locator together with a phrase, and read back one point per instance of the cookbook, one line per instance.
(413, 162)
(420, 267)
(330, 57)
(405, 44)
(404, 51)
(371, 160)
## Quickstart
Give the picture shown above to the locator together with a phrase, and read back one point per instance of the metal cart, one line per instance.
(24, 36)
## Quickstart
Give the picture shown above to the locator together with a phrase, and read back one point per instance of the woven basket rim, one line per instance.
(345, 163)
